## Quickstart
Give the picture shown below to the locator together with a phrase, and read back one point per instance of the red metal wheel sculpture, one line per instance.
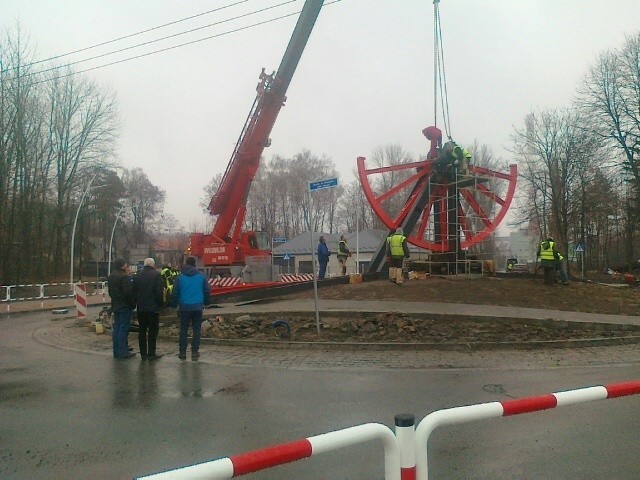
(452, 211)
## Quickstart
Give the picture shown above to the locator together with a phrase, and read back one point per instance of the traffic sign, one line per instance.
(286, 257)
(326, 183)
(580, 248)
(279, 240)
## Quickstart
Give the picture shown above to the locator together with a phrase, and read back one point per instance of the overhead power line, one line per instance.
(132, 47)
(171, 47)
(134, 34)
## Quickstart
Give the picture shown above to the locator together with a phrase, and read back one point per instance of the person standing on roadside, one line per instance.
(323, 257)
(191, 292)
(343, 254)
(148, 289)
(122, 304)
(397, 251)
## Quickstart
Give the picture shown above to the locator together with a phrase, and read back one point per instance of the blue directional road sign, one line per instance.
(279, 240)
(326, 183)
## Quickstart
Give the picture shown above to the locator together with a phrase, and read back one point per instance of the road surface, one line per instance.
(71, 411)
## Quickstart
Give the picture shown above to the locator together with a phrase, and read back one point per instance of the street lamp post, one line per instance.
(113, 230)
(75, 223)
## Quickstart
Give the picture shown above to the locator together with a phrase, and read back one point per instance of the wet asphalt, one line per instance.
(69, 410)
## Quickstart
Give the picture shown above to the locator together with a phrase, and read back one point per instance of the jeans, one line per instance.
(194, 318)
(563, 273)
(148, 321)
(121, 325)
(323, 269)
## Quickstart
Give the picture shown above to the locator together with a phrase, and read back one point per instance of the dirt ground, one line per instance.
(612, 298)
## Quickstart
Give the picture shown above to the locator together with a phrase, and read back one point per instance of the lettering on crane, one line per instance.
(214, 250)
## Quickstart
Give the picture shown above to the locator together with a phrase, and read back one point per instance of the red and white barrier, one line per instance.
(458, 415)
(302, 277)
(81, 300)
(225, 281)
(405, 452)
(256, 460)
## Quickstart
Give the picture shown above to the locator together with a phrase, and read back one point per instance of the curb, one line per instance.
(442, 346)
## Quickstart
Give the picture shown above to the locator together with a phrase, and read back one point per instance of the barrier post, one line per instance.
(405, 434)
(9, 298)
(42, 295)
(81, 300)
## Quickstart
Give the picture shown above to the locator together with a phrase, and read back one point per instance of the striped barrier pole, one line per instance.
(81, 300)
(458, 415)
(230, 467)
(8, 297)
(405, 434)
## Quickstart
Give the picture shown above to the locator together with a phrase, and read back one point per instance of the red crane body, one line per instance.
(228, 245)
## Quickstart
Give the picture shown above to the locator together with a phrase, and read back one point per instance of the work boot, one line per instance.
(182, 355)
(195, 356)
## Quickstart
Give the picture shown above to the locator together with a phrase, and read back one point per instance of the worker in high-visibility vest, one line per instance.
(551, 261)
(168, 278)
(397, 251)
(343, 254)
(452, 154)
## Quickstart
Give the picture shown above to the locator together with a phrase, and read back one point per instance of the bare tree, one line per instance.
(146, 201)
(609, 96)
(555, 150)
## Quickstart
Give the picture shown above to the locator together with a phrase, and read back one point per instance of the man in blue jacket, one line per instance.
(191, 293)
(323, 257)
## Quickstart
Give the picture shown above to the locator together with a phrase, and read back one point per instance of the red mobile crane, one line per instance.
(227, 248)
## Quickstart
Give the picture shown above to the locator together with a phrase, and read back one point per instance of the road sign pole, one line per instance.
(313, 186)
(313, 263)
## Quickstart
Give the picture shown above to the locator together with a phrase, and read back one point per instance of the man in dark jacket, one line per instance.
(148, 289)
(191, 293)
(122, 303)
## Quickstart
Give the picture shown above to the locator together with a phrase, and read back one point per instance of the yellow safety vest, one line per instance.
(340, 253)
(395, 245)
(547, 253)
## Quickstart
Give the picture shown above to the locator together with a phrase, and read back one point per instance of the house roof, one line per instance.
(367, 241)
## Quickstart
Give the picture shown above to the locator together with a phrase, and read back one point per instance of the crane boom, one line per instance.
(227, 244)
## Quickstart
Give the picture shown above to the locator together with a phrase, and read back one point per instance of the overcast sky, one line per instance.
(364, 80)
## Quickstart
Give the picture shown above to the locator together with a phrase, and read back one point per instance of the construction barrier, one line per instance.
(458, 415)
(81, 300)
(257, 460)
(292, 278)
(405, 452)
(225, 281)
(45, 291)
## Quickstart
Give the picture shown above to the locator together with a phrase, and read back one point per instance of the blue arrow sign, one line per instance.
(326, 183)
(279, 240)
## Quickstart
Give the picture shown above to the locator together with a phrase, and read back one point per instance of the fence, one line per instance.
(256, 460)
(458, 415)
(405, 452)
(46, 291)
